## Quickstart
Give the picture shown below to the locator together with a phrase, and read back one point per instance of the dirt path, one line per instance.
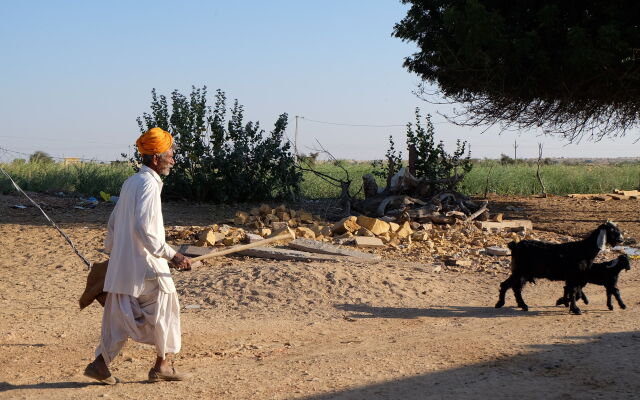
(256, 329)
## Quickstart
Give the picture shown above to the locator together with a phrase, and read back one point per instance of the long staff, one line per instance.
(289, 235)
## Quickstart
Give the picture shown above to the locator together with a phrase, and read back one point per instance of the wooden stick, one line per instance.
(475, 215)
(283, 236)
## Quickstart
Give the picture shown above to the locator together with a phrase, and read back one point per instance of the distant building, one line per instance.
(71, 160)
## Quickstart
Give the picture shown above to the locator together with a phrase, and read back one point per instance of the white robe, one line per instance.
(152, 318)
(136, 237)
(142, 303)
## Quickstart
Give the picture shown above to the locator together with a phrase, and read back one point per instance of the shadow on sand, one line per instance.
(437, 311)
(602, 366)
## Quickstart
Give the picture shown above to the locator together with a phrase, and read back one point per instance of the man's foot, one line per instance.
(169, 374)
(93, 372)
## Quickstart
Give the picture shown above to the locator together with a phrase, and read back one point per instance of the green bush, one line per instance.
(432, 161)
(392, 164)
(218, 160)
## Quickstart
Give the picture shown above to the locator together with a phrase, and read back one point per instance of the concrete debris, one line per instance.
(365, 241)
(497, 251)
(445, 237)
(510, 225)
(616, 195)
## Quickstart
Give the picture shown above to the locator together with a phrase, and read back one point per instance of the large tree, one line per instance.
(568, 66)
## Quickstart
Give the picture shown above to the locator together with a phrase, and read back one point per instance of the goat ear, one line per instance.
(601, 241)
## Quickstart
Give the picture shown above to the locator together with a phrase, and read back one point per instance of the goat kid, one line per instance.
(532, 259)
(603, 274)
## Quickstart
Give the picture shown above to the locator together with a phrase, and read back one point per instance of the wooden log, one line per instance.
(296, 255)
(272, 253)
(475, 215)
(284, 236)
(314, 246)
(384, 203)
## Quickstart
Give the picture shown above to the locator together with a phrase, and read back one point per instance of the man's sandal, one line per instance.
(92, 372)
(157, 376)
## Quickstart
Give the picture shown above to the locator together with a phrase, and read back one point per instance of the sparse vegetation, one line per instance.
(83, 178)
(519, 179)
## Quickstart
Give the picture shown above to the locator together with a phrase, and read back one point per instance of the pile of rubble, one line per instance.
(362, 231)
(616, 195)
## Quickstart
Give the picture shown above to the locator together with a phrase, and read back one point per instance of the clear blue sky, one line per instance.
(75, 74)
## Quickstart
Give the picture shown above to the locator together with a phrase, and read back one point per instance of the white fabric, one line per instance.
(136, 238)
(152, 318)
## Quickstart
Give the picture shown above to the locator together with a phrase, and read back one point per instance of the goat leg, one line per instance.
(517, 292)
(564, 300)
(615, 292)
(504, 286)
(584, 297)
(573, 293)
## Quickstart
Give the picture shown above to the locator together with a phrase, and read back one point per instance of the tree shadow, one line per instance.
(601, 366)
(444, 311)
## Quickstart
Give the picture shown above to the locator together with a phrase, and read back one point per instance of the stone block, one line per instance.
(305, 232)
(278, 225)
(347, 224)
(305, 217)
(265, 209)
(506, 225)
(497, 251)
(364, 232)
(365, 241)
(404, 231)
(420, 236)
(375, 225)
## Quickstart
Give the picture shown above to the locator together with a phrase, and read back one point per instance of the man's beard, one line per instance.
(164, 171)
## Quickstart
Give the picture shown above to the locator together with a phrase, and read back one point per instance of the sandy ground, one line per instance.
(258, 329)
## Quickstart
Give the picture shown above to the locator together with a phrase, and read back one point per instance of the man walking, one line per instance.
(142, 303)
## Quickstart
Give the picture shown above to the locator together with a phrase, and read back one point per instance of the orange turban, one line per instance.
(154, 141)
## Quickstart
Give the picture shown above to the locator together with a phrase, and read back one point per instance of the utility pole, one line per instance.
(295, 142)
(515, 151)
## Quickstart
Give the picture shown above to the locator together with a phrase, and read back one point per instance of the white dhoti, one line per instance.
(153, 318)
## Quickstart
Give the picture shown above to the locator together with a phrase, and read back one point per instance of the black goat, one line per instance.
(603, 274)
(532, 259)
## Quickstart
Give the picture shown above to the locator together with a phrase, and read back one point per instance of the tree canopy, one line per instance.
(568, 66)
(40, 157)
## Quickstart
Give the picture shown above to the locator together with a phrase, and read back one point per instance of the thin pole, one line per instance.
(295, 142)
(64, 235)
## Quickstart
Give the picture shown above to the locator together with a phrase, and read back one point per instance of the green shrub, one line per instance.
(392, 164)
(432, 161)
(218, 160)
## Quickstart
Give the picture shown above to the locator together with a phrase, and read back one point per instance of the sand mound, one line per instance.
(300, 287)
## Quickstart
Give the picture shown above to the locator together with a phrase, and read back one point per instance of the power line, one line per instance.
(56, 157)
(355, 125)
(363, 125)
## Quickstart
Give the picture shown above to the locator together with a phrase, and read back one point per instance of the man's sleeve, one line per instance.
(147, 211)
(108, 241)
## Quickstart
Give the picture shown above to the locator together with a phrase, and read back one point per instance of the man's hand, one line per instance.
(181, 262)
